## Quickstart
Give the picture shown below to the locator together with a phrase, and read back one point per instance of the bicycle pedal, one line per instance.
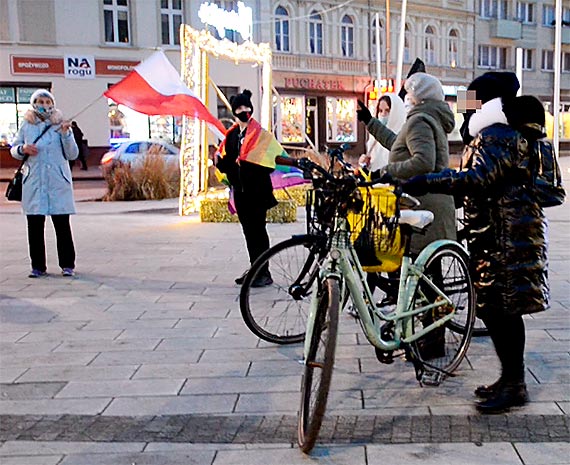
(384, 356)
(432, 378)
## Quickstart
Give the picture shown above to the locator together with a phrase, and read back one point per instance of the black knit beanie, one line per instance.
(241, 99)
(495, 84)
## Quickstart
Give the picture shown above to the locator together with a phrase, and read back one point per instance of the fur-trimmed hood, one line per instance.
(31, 117)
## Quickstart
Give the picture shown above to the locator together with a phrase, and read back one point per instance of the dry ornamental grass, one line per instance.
(153, 179)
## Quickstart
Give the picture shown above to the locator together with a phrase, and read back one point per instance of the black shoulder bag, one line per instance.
(14, 189)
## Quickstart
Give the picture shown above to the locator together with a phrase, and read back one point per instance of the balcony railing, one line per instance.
(313, 63)
(506, 29)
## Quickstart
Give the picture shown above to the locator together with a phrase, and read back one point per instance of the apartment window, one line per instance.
(373, 35)
(116, 19)
(566, 62)
(492, 57)
(316, 33)
(281, 29)
(527, 59)
(407, 51)
(525, 12)
(429, 45)
(547, 60)
(171, 19)
(548, 15)
(347, 36)
(453, 48)
(494, 9)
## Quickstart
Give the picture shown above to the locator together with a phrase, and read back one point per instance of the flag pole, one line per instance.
(85, 108)
(557, 69)
(401, 44)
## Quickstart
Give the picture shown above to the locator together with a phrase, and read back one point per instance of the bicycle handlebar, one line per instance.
(308, 166)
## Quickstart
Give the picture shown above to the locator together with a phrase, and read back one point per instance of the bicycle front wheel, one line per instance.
(444, 347)
(319, 365)
(278, 312)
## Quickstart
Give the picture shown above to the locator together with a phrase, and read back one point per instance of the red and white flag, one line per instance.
(154, 87)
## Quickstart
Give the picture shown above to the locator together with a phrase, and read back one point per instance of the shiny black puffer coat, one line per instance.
(507, 240)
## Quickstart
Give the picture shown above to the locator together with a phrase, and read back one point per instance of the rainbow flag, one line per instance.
(259, 146)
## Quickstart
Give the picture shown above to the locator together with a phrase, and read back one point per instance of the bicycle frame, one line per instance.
(342, 263)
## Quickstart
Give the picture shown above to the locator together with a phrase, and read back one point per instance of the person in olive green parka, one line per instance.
(420, 147)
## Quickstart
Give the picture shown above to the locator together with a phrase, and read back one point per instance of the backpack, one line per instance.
(546, 175)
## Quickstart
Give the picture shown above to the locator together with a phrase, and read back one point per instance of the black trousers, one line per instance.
(252, 218)
(37, 243)
(508, 335)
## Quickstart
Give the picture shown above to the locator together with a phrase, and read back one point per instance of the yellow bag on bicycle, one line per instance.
(375, 233)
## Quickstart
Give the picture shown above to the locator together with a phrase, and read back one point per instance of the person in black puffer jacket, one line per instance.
(507, 228)
(249, 170)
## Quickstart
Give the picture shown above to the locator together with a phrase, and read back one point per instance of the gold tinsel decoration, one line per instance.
(216, 211)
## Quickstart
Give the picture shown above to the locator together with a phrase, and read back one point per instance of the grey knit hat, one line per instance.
(423, 86)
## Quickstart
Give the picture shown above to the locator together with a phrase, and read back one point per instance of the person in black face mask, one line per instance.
(248, 168)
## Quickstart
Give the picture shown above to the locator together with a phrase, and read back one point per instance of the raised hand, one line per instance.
(363, 114)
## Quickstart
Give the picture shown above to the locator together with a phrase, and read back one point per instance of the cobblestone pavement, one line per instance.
(246, 429)
(143, 358)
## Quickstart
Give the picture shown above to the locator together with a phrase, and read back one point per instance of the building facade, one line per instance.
(324, 57)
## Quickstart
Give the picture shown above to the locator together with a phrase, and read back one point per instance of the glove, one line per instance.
(363, 114)
(417, 185)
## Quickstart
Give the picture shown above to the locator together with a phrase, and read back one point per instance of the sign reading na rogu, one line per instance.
(79, 66)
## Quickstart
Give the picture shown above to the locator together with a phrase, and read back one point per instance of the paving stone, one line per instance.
(165, 405)
(20, 391)
(121, 388)
(552, 453)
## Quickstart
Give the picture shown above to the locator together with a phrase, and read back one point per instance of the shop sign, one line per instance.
(313, 84)
(7, 95)
(36, 65)
(240, 20)
(79, 66)
(114, 67)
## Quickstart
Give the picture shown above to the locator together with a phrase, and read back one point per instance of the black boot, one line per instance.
(507, 396)
(486, 391)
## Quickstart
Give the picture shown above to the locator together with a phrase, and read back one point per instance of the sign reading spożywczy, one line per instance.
(79, 66)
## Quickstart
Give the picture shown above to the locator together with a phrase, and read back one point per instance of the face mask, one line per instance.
(383, 119)
(43, 111)
(243, 116)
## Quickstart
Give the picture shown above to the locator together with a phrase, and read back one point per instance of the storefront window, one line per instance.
(126, 124)
(14, 102)
(292, 126)
(341, 120)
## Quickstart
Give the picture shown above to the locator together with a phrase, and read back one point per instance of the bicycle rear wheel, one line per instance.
(479, 328)
(278, 313)
(319, 365)
(444, 348)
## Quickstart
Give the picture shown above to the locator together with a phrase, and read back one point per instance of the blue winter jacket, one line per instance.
(47, 185)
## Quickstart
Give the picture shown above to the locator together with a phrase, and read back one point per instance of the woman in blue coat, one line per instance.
(47, 187)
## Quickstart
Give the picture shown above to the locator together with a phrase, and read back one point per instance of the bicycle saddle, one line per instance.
(416, 218)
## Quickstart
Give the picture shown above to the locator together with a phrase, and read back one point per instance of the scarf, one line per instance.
(490, 113)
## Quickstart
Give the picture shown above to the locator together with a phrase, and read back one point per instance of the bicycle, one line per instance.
(278, 313)
(434, 290)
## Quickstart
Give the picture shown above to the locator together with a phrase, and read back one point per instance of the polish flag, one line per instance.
(154, 87)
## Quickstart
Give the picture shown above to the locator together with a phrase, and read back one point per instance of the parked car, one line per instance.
(134, 152)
